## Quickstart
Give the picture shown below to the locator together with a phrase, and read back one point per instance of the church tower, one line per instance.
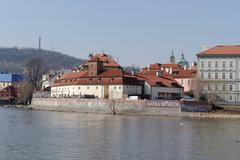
(172, 58)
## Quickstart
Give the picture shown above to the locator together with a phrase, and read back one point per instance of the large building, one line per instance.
(99, 77)
(219, 73)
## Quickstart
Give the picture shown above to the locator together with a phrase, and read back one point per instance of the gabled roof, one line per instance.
(106, 59)
(155, 66)
(158, 66)
(222, 50)
(185, 74)
(173, 66)
(108, 77)
(161, 81)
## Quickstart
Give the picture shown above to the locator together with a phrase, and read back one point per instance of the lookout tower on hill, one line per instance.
(39, 43)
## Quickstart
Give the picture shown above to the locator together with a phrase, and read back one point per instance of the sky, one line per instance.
(137, 32)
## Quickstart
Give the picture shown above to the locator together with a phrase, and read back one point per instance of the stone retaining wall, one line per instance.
(143, 107)
(106, 106)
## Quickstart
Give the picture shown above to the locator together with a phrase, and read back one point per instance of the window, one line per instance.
(209, 75)
(189, 81)
(120, 88)
(216, 87)
(231, 76)
(230, 98)
(230, 87)
(115, 88)
(209, 64)
(202, 64)
(79, 87)
(87, 87)
(202, 75)
(223, 87)
(216, 75)
(209, 87)
(216, 64)
(96, 87)
(181, 81)
(231, 64)
(223, 64)
(223, 76)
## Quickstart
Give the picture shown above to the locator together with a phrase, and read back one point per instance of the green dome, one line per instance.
(182, 62)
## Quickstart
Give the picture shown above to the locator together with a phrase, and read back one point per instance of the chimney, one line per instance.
(133, 73)
(148, 67)
(158, 73)
(90, 56)
(170, 70)
(204, 48)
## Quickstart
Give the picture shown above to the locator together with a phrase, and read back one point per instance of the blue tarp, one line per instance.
(4, 77)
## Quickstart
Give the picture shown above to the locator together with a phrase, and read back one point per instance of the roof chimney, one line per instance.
(204, 48)
(133, 73)
(148, 67)
(170, 70)
(158, 73)
(90, 56)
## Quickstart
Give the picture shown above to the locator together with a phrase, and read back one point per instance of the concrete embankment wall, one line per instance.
(141, 107)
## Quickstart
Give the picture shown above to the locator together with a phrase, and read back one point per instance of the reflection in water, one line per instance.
(56, 135)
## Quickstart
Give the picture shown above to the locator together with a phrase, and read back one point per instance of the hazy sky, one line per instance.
(136, 31)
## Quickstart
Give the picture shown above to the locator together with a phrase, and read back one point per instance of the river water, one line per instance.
(39, 135)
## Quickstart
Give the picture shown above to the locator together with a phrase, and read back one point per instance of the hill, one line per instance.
(14, 59)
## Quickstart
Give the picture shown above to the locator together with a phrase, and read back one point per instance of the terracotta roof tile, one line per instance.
(185, 74)
(221, 50)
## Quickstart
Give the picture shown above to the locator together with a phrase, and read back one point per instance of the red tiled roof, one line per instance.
(95, 59)
(221, 50)
(161, 81)
(156, 66)
(173, 66)
(185, 74)
(109, 77)
(106, 59)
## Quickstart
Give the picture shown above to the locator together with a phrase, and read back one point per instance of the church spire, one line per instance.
(172, 58)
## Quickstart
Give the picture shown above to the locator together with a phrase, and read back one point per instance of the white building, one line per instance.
(218, 72)
(158, 86)
(97, 81)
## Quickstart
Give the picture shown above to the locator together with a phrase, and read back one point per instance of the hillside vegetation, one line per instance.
(14, 59)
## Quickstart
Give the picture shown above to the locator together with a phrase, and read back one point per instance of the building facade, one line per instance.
(98, 79)
(218, 73)
(9, 84)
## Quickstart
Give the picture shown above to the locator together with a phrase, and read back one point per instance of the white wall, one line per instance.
(115, 91)
(71, 90)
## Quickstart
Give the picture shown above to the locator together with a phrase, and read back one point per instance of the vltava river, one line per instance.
(37, 135)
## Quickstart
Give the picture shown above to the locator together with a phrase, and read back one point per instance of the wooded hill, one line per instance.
(14, 59)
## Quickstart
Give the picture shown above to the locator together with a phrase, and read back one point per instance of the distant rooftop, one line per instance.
(221, 50)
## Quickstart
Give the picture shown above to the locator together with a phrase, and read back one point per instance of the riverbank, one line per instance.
(126, 107)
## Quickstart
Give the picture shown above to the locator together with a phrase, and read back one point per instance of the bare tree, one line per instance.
(197, 88)
(25, 92)
(35, 70)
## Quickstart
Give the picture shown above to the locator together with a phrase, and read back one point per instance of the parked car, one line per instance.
(187, 98)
